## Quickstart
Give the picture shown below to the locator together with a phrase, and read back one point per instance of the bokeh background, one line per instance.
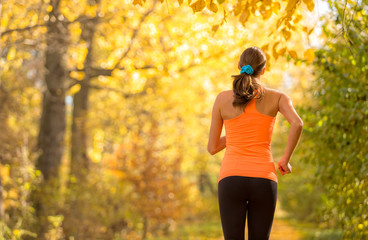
(105, 109)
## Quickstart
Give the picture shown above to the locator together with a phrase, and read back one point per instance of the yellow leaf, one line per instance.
(309, 55)
(267, 14)
(138, 2)
(267, 2)
(91, 10)
(238, 8)
(297, 18)
(180, 2)
(276, 7)
(198, 6)
(5, 173)
(49, 8)
(73, 90)
(265, 47)
(80, 65)
(17, 233)
(11, 54)
(286, 34)
(77, 75)
(215, 27)
(12, 194)
(282, 51)
(310, 4)
(213, 7)
(253, 9)
(291, 5)
(293, 54)
(268, 63)
(116, 173)
(244, 16)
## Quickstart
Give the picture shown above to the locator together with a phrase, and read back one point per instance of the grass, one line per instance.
(310, 231)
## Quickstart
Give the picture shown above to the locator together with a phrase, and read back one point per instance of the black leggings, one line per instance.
(238, 195)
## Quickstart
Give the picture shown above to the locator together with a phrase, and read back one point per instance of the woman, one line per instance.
(247, 182)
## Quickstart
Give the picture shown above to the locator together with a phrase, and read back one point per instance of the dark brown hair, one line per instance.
(244, 84)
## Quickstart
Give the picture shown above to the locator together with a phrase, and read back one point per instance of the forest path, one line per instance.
(281, 228)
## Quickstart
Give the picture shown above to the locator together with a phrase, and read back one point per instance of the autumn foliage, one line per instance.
(105, 108)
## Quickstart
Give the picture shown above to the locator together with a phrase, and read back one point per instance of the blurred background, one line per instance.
(105, 109)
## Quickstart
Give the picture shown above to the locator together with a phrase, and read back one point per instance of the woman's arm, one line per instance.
(221, 145)
(296, 124)
(215, 143)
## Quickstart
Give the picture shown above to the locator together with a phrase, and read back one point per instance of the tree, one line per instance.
(174, 68)
(337, 122)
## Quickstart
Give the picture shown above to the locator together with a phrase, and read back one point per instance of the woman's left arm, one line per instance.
(215, 143)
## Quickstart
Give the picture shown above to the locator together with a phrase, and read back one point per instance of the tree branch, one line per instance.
(99, 72)
(79, 19)
(75, 82)
(106, 72)
(135, 33)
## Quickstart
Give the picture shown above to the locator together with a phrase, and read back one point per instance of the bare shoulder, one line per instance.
(223, 97)
(274, 93)
(282, 97)
(225, 94)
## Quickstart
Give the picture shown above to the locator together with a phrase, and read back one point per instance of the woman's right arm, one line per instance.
(296, 125)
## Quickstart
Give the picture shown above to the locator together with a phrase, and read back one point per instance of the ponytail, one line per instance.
(245, 84)
(244, 87)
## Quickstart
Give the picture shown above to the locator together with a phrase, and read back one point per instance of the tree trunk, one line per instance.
(1, 201)
(79, 160)
(4, 137)
(79, 156)
(52, 124)
(145, 228)
(51, 134)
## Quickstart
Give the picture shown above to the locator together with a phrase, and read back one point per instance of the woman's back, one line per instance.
(248, 137)
(268, 105)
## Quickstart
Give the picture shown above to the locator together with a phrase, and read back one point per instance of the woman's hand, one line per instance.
(284, 166)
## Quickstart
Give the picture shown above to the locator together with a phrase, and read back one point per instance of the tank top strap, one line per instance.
(251, 105)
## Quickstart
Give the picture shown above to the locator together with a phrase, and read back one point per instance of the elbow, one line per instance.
(299, 124)
(211, 151)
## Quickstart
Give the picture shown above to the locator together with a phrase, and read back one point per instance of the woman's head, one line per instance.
(244, 85)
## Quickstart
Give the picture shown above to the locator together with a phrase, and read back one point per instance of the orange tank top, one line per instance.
(248, 145)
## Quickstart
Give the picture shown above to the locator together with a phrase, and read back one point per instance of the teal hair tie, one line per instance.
(247, 69)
